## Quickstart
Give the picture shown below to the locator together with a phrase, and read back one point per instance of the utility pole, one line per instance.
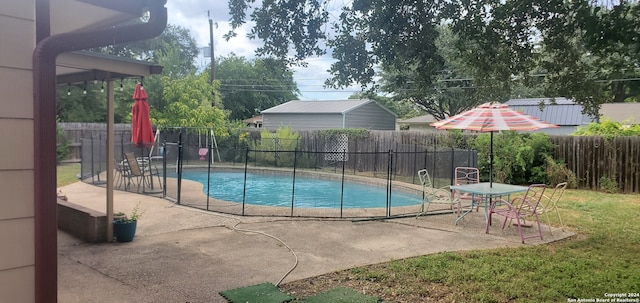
(213, 59)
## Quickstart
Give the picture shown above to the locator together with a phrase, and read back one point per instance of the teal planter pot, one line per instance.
(124, 231)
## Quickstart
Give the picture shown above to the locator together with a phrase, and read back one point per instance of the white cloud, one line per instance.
(193, 15)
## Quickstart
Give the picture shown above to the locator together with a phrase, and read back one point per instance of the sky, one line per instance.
(194, 16)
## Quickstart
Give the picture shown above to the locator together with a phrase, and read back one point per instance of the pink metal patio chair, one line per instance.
(467, 175)
(519, 208)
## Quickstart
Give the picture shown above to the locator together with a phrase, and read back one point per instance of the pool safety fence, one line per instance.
(394, 171)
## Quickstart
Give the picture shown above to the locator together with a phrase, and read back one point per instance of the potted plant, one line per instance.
(124, 227)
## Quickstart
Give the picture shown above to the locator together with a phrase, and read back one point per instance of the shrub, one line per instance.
(275, 148)
(558, 172)
(62, 145)
(609, 184)
(519, 158)
(607, 128)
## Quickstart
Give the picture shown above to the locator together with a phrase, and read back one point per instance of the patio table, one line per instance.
(487, 192)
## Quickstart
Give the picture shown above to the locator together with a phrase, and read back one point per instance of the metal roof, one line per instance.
(317, 107)
(564, 112)
(537, 101)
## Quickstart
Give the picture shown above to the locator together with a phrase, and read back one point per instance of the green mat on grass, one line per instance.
(341, 295)
(261, 293)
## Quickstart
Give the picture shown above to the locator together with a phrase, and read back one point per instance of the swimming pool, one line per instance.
(277, 190)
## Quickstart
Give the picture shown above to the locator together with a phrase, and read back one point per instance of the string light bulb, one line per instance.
(102, 87)
(68, 89)
(84, 89)
(121, 86)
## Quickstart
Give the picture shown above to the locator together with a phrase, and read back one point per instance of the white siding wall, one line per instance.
(17, 258)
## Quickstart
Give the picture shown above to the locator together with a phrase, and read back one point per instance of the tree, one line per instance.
(249, 86)
(190, 102)
(451, 91)
(175, 49)
(583, 47)
(580, 48)
(283, 26)
(74, 105)
(394, 35)
(609, 32)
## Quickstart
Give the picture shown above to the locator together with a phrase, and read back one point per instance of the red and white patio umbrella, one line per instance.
(491, 117)
(141, 129)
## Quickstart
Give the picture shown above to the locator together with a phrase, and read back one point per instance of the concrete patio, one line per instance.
(182, 254)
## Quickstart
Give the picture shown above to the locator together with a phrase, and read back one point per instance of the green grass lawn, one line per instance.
(68, 173)
(603, 258)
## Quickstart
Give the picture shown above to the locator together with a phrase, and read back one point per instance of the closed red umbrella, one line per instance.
(490, 117)
(141, 130)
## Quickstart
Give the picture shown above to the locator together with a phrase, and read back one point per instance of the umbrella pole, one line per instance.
(144, 167)
(491, 161)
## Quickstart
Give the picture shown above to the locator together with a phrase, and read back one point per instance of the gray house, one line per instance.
(312, 115)
(624, 113)
(564, 113)
(421, 123)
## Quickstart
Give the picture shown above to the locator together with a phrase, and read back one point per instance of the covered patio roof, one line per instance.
(65, 16)
(80, 66)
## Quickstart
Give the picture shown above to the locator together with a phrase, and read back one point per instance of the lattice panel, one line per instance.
(337, 149)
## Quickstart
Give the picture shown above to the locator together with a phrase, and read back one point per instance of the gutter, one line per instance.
(44, 106)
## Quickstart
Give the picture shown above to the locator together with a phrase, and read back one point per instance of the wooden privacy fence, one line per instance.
(76, 131)
(594, 158)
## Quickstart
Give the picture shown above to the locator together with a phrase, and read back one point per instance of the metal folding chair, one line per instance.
(551, 204)
(432, 195)
(519, 209)
(144, 174)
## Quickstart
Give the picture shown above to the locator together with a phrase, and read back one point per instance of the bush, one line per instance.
(276, 148)
(519, 158)
(609, 184)
(608, 128)
(62, 145)
(558, 172)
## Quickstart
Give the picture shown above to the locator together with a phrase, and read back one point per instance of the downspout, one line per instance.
(44, 106)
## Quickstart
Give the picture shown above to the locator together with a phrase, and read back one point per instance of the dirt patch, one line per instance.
(389, 292)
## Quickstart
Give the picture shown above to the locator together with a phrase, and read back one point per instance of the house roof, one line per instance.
(320, 107)
(424, 119)
(621, 112)
(538, 101)
(563, 113)
(254, 119)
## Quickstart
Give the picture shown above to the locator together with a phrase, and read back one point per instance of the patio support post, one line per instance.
(110, 158)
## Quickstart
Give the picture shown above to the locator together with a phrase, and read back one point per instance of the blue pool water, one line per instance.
(276, 190)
